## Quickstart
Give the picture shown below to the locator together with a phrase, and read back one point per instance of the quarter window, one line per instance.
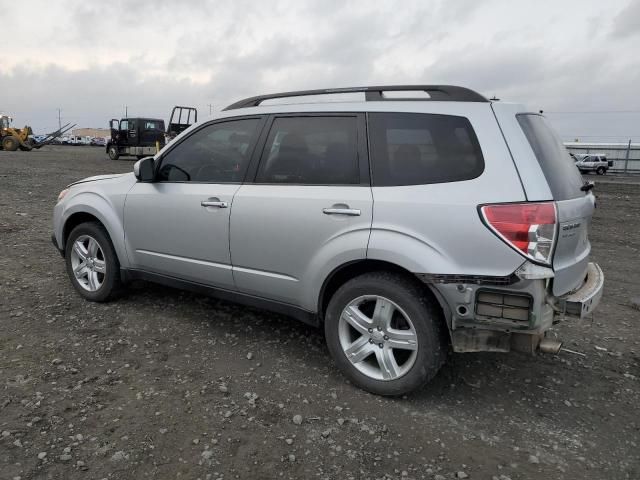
(217, 153)
(311, 151)
(418, 149)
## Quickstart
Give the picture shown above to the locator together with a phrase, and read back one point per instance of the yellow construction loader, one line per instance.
(12, 139)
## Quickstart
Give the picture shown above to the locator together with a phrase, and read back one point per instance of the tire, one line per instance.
(10, 144)
(414, 314)
(113, 153)
(105, 285)
(601, 170)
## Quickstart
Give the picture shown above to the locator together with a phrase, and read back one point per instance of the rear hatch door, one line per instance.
(574, 205)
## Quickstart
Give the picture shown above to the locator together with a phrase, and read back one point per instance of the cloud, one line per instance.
(627, 22)
(90, 59)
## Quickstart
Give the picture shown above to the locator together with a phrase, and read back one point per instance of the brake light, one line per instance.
(530, 228)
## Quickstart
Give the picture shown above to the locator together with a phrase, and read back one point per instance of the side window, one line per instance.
(419, 149)
(217, 153)
(124, 124)
(311, 151)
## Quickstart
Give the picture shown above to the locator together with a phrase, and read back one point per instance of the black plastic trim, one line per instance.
(434, 278)
(437, 93)
(305, 316)
(55, 244)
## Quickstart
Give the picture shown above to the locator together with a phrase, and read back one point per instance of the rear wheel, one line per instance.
(113, 152)
(10, 143)
(384, 333)
(601, 170)
(92, 263)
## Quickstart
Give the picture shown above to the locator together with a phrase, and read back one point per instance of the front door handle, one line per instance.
(214, 203)
(352, 212)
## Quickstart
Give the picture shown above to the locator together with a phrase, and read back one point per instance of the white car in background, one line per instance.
(593, 162)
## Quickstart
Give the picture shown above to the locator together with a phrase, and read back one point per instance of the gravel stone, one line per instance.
(297, 419)
(119, 456)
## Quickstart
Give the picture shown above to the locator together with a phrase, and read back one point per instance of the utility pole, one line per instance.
(626, 157)
(210, 109)
(59, 121)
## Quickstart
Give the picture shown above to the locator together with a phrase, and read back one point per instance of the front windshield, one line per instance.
(4, 122)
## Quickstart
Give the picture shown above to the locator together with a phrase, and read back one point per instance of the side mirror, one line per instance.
(143, 169)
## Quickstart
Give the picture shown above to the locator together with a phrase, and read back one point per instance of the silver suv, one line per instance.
(409, 222)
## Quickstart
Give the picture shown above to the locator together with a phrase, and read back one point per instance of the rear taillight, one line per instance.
(530, 228)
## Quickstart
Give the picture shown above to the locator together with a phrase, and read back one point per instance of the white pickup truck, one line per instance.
(592, 162)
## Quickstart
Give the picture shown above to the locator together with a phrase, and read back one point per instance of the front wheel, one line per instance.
(10, 144)
(385, 333)
(92, 263)
(113, 153)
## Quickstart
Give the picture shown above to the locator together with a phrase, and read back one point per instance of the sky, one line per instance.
(575, 60)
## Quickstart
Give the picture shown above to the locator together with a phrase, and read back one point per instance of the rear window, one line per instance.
(563, 177)
(419, 149)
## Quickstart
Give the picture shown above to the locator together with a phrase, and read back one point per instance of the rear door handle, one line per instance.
(352, 212)
(214, 203)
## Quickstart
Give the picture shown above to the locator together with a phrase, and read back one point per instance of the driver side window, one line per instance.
(218, 153)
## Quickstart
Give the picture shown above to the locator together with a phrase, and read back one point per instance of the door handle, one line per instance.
(352, 212)
(214, 203)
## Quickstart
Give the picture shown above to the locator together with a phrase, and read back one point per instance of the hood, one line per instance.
(97, 178)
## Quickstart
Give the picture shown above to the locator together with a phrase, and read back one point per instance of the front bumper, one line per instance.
(583, 301)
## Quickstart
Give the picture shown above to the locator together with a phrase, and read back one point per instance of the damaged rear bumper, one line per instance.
(583, 301)
(513, 315)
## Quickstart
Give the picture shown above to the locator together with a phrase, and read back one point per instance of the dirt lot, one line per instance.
(167, 384)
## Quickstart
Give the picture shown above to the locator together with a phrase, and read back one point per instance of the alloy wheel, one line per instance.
(378, 337)
(88, 263)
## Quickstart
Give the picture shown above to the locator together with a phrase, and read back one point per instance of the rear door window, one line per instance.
(418, 149)
(311, 151)
(563, 177)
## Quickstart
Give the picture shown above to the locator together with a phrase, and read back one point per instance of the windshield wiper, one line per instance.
(586, 186)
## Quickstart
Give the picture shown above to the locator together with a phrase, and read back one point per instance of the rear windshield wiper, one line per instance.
(586, 186)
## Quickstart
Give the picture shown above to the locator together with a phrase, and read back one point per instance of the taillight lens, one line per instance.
(530, 228)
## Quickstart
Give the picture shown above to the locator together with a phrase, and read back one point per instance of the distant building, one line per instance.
(92, 132)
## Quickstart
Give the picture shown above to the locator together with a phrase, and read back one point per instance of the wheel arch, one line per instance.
(73, 221)
(86, 212)
(345, 272)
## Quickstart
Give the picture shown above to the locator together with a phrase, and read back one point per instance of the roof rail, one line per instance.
(438, 93)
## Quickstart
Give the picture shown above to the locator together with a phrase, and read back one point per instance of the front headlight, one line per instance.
(62, 194)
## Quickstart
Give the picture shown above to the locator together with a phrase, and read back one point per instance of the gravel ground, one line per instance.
(167, 384)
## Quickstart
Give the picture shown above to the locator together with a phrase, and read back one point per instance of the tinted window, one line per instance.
(217, 153)
(418, 149)
(153, 125)
(563, 177)
(312, 151)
